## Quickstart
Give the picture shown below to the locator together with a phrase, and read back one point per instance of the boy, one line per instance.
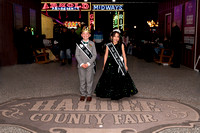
(85, 55)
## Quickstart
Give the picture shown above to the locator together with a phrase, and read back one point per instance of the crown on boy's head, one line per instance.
(85, 29)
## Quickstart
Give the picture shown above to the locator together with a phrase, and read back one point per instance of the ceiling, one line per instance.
(105, 1)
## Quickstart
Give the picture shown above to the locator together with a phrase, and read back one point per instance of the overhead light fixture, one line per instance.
(85, 0)
(113, 0)
(152, 23)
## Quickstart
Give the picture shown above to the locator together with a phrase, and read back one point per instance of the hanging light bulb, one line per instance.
(85, 0)
(113, 0)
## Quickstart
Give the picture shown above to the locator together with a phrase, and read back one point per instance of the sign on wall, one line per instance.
(63, 6)
(178, 15)
(190, 8)
(107, 7)
(189, 25)
(118, 20)
(91, 20)
(72, 24)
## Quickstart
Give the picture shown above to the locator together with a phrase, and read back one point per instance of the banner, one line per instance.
(189, 25)
(190, 8)
(178, 15)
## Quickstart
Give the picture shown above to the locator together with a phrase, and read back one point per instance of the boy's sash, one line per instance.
(117, 58)
(86, 51)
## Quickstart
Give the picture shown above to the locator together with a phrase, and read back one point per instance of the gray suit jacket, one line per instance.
(82, 58)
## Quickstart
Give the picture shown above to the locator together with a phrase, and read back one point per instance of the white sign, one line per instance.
(107, 7)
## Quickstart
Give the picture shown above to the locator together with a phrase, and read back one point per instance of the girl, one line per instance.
(115, 82)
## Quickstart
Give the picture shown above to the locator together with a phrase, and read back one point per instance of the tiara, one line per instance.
(117, 30)
(85, 29)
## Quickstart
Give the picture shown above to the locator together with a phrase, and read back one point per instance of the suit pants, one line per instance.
(86, 80)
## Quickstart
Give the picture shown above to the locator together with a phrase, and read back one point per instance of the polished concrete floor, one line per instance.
(152, 81)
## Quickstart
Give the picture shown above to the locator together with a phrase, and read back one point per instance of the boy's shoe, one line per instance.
(89, 99)
(82, 98)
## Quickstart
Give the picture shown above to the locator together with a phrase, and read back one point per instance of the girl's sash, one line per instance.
(117, 58)
(86, 51)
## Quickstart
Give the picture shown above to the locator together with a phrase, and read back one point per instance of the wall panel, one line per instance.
(167, 6)
(8, 51)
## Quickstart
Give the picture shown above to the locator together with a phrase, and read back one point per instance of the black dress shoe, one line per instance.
(82, 98)
(89, 99)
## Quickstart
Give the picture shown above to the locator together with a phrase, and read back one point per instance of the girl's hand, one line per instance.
(126, 68)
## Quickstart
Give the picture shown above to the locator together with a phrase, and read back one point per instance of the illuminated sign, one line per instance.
(63, 6)
(107, 7)
(118, 21)
(72, 24)
(91, 20)
(115, 21)
(121, 23)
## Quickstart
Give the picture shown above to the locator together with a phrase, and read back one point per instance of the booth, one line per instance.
(61, 13)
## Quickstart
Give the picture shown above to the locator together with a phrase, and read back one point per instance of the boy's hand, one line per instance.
(85, 66)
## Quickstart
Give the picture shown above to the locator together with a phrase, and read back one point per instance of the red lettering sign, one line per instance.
(91, 21)
(52, 5)
(62, 5)
(45, 6)
(70, 5)
(85, 6)
(77, 6)
(91, 16)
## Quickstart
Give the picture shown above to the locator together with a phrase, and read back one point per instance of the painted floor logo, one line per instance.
(66, 114)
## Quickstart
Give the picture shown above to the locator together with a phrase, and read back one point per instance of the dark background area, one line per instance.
(136, 14)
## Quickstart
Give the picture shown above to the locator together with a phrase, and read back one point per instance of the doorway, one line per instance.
(104, 21)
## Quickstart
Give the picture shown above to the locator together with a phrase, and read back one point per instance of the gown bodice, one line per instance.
(111, 64)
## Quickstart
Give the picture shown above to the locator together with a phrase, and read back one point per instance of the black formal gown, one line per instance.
(112, 84)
